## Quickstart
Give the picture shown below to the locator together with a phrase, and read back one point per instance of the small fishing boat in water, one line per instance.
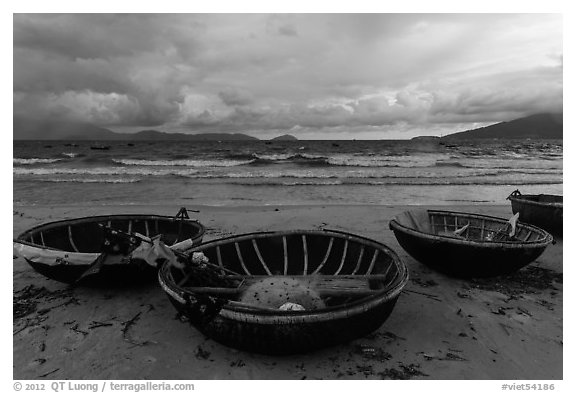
(542, 210)
(100, 147)
(468, 245)
(106, 250)
(286, 292)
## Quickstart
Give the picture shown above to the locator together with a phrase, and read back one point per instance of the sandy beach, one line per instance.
(441, 328)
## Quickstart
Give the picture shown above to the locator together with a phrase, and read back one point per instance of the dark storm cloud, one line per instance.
(106, 62)
(233, 97)
(281, 25)
(252, 72)
(105, 36)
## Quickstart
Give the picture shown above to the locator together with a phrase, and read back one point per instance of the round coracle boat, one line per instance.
(106, 250)
(542, 210)
(468, 245)
(286, 292)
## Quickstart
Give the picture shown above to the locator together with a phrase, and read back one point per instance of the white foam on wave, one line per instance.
(266, 175)
(404, 182)
(90, 180)
(317, 183)
(134, 171)
(356, 159)
(31, 161)
(316, 173)
(186, 163)
(381, 161)
(506, 163)
(286, 156)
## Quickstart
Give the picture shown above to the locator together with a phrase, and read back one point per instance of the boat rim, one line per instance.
(395, 225)
(279, 316)
(520, 199)
(69, 221)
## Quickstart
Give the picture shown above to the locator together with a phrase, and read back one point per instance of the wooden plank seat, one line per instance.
(325, 285)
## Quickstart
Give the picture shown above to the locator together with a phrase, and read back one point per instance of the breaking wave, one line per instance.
(89, 180)
(185, 163)
(204, 173)
(404, 182)
(72, 155)
(32, 161)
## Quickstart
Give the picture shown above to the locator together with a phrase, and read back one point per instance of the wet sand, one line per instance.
(441, 327)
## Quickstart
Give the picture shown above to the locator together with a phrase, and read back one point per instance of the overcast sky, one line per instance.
(316, 76)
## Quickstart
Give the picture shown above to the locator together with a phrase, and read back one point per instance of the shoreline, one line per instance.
(441, 328)
(163, 207)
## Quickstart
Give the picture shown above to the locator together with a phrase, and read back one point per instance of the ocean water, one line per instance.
(283, 173)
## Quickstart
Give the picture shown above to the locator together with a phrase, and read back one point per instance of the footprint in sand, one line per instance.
(73, 338)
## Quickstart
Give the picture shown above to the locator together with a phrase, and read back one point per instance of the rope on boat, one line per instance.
(180, 254)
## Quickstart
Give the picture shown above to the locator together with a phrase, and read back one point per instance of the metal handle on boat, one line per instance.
(514, 193)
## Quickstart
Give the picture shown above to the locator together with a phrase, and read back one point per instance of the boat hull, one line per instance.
(132, 273)
(276, 332)
(548, 216)
(462, 261)
(470, 259)
(290, 338)
(55, 249)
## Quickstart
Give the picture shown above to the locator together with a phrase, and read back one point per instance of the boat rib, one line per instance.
(284, 243)
(70, 239)
(305, 254)
(343, 257)
(240, 258)
(372, 262)
(321, 265)
(260, 257)
(359, 261)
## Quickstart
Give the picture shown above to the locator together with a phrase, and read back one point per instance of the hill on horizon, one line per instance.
(30, 129)
(539, 126)
(153, 135)
(285, 137)
(59, 130)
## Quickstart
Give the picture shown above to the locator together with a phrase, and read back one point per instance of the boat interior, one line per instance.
(87, 235)
(464, 226)
(339, 269)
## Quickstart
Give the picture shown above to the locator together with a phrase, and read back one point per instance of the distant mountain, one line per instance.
(540, 126)
(152, 135)
(62, 130)
(425, 138)
(285, 137)
(69, 130)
